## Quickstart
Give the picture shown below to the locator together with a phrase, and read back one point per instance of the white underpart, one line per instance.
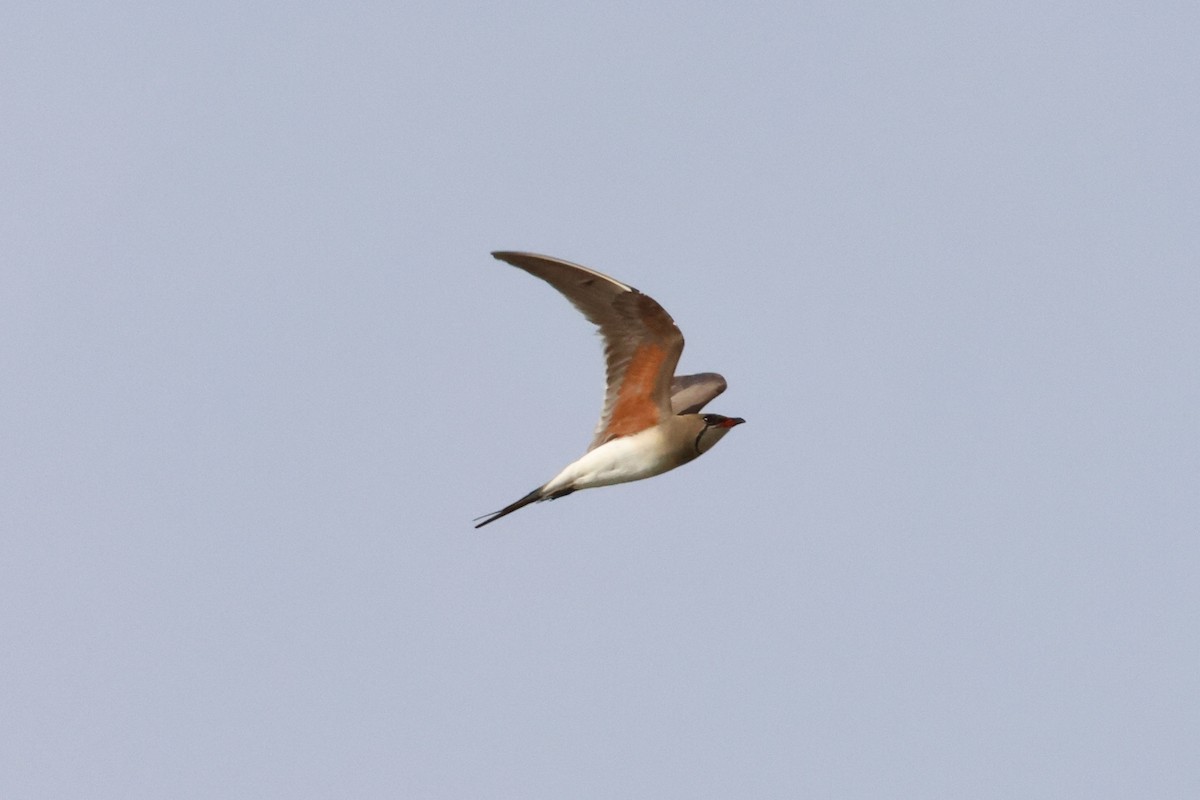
(629, 458)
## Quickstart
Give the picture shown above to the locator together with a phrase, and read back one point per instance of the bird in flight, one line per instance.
(650, 422)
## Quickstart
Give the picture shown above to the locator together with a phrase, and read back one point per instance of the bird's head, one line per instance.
(715, 427)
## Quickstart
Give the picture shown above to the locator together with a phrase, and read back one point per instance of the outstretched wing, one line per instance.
(641, 342)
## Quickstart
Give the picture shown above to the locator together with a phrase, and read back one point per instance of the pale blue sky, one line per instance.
(261, 373)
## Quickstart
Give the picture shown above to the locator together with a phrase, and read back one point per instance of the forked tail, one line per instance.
(532, 497)
(536, 496)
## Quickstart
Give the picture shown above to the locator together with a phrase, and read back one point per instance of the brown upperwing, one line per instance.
(641, 342)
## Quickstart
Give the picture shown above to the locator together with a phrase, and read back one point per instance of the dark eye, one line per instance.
(711, 419)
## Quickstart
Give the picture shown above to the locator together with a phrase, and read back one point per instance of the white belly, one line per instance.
(629, 458)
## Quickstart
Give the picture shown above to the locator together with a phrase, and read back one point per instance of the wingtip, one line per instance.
(542, 266)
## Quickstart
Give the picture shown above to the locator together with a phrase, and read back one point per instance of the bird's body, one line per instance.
(630, 458)
(649, 424)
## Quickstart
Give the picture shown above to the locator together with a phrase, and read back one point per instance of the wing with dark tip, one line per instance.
(641, 342)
